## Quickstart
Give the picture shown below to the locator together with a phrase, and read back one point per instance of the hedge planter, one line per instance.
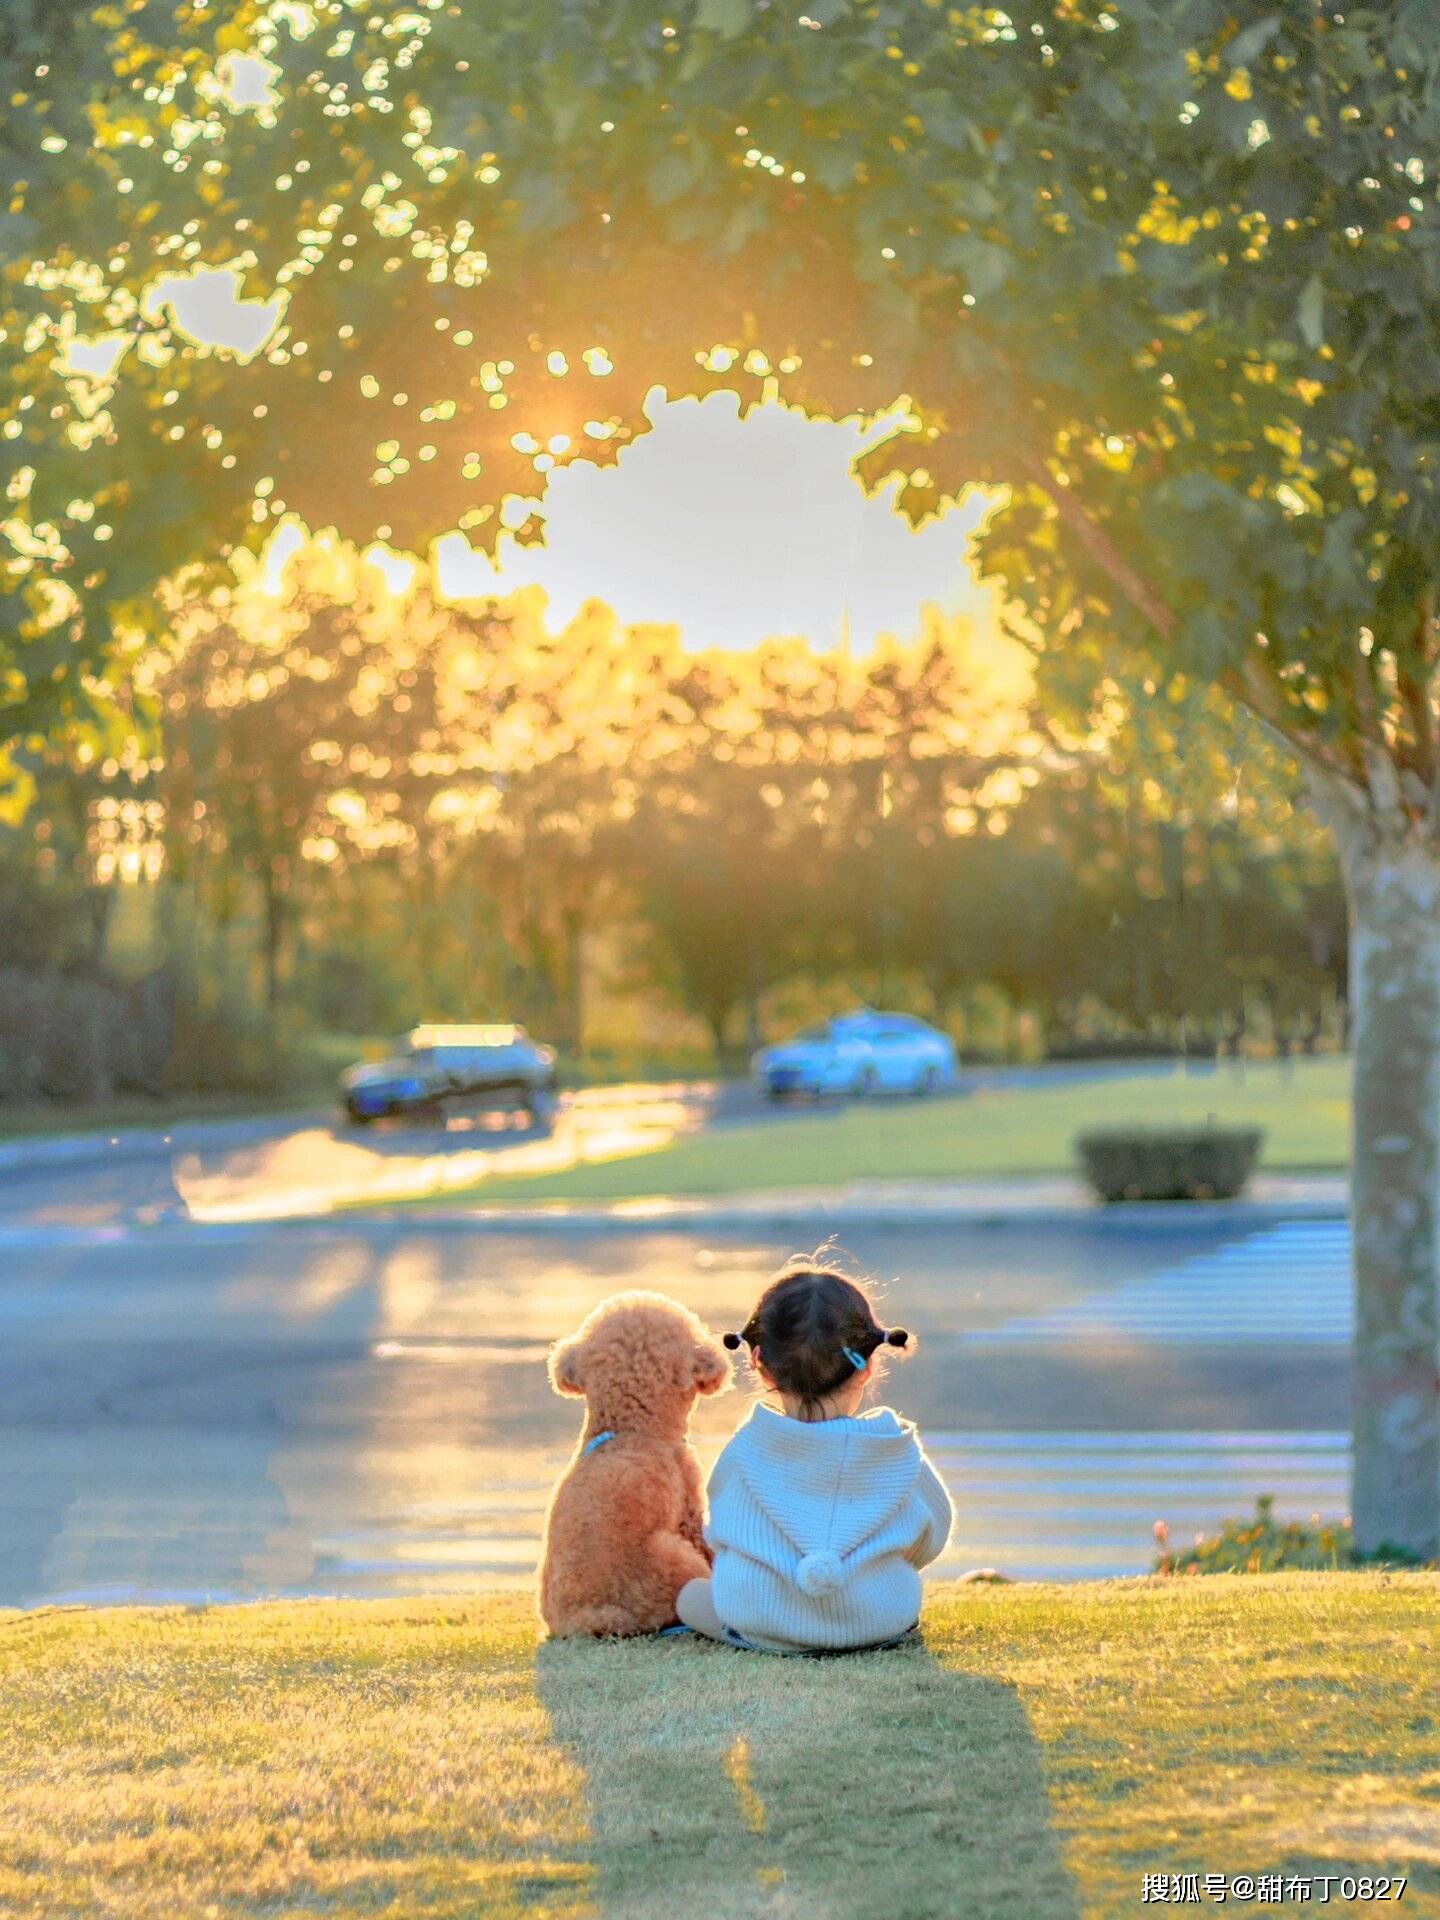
(1184, 1163)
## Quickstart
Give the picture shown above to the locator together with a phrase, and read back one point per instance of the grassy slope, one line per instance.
(1304, 1109)
(1048, 1747)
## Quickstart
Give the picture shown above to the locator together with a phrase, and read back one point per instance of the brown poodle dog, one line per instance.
(623, 1534)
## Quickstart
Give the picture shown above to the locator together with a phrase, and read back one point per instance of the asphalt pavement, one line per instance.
(360, 1406)
(211, 1388)
(306, 1163)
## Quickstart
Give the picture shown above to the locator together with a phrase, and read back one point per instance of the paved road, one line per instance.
(304, 1164)
(359, 1406)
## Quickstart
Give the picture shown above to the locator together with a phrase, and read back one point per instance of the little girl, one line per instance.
(820, 1517)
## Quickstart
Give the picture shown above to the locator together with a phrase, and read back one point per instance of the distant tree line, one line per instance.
(360, 811)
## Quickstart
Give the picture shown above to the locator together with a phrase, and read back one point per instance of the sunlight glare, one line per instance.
(207, 306)
(734, 529)
(398, 570)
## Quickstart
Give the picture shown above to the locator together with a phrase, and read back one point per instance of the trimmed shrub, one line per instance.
(1181, 1163)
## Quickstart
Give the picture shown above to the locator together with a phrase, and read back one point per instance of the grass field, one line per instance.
(1303, 1107)
(1045, 1749)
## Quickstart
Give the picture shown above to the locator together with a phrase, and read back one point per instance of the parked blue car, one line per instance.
(860, 1054)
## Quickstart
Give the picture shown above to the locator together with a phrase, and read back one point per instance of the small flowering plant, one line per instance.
(1262, 1545)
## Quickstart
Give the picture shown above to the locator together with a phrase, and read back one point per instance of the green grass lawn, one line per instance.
(425, 1761)
(1304, 1109)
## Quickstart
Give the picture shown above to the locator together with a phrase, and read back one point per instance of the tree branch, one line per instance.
(1377, 751)
(1248, 683)
(1101, 548)
(1260, 693)
(1415, 698)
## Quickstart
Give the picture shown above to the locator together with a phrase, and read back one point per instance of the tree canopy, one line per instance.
(1169, 273)
(361, 810)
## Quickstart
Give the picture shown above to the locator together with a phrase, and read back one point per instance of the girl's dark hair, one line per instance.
(807, 1324)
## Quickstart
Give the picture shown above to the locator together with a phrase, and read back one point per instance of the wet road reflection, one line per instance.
(289, 1166)
(362, 1408)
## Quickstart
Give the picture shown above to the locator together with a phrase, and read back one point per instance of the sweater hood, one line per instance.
(827, 1485)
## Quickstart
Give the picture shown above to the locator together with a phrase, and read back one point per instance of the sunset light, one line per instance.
(719, 958)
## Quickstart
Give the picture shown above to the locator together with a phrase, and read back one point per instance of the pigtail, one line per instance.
(814, 1328)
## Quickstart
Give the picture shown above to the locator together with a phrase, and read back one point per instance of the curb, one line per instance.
(180, 1227)
(754, 1211)
(27, 1152)
(68, 1149)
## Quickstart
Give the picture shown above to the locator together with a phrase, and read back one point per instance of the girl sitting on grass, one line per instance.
(820, 1516)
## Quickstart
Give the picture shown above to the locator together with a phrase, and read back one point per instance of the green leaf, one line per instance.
(944, 121)
(1245, 46)
(983, 267)
(1310, 312)
(833, 165)
(565, 98)
(671, 174)
(17, 231)
(1211, 639)
(1109, 97)
(727, 18)
(17, 790)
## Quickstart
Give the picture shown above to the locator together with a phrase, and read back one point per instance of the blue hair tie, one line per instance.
(857, 1360)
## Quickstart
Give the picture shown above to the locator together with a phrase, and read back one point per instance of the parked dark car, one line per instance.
(436, 1070)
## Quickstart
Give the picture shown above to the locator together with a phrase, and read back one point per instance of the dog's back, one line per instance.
(614, 1558)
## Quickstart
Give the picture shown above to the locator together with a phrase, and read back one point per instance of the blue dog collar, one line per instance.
(598, 1441)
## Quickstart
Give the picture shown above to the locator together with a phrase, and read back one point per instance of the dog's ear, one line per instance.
(565, 1367)
(711, 1368)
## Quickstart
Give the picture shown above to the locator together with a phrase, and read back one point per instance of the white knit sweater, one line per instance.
(820, 1528)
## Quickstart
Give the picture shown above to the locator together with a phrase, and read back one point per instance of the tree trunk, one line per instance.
(575, 982)
(1394, 889)
(717, 1018)
(276, 925)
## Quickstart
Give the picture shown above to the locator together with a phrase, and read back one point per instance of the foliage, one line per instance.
(1172, 277)
(365, 810)
(1268, 1545)
(1261, 1545)
(292, 730)
(83, 1037)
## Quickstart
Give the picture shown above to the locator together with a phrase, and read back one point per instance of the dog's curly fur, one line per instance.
(623, 1533)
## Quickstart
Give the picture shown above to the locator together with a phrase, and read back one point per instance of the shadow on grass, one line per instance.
(731, 1785)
